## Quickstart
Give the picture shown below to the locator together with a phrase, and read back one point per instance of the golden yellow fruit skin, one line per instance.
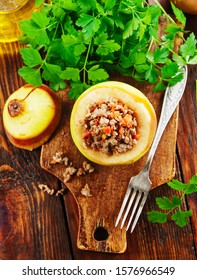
(128, 95)
(36, 122)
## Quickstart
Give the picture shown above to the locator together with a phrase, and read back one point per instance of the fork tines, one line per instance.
(133, 203)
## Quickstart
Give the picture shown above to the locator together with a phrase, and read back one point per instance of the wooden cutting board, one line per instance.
(98, 212)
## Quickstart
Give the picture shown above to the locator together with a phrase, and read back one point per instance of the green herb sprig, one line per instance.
(172, 207)
(83, 41)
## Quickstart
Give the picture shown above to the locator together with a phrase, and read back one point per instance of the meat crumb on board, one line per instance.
(87, 167)
(70, 171)
(61, 158)
(50, 191)
(86, 191)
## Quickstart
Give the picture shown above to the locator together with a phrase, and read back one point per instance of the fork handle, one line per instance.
(171, 100)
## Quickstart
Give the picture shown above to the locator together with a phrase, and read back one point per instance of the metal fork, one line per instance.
(139, 185)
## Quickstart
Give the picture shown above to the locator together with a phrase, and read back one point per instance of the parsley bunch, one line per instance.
(83, 41)
(172, 207)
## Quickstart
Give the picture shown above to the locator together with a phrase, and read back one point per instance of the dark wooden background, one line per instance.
(34, 225)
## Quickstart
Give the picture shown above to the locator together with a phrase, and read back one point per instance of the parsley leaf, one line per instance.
(169, 70)
(173, 205)
(152, 74)
(32, 76)
(76, 89)
(180, 217)
(40, 19)
(157, 217)
(130, 27)
(31, 57)
(105, 46)
(165, 203)
(193, 180)
(97, 74)
(188, 49)
(89, 24)
(71, 74)
(161, 55)
(179, 14)
(82, 41)
(51, 72)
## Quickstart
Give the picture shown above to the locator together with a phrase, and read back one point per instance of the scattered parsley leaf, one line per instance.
(193, 180)
(165, 203)
(177, 185)
(180, 217)
(192, 188)
(173, 205)
(157, 217)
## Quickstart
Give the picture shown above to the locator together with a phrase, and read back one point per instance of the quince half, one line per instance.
(113, 123)
(30, 116)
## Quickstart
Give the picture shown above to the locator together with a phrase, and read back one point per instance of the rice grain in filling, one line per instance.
(110, 127)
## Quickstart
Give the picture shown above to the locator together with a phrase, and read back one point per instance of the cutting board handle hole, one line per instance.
(101, 234)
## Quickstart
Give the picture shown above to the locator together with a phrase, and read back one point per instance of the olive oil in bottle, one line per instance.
(11, 11)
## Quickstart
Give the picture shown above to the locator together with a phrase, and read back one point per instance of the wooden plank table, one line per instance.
(34, 225)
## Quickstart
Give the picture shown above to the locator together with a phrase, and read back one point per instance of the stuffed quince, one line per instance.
(113, 123)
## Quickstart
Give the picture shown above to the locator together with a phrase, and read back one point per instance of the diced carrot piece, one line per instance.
(99, 103)
(87, 135)
(107, 129)
(113, 108)
(96, 122)
(121, 130)
(127, 121)
(137, 136)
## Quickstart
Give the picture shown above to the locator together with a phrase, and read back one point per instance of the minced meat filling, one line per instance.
(110, 127)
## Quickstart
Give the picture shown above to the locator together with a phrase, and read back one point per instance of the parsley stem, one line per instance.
(151, 43)
(163, 10)
(86, 61)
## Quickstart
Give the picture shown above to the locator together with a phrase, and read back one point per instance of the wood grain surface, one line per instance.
(35, 225)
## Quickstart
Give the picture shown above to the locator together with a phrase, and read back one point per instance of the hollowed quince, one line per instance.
(128, 97)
